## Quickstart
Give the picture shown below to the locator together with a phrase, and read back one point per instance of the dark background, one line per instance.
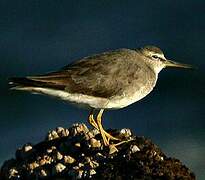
(41, 36)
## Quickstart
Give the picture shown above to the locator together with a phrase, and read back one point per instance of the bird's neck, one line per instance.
(157, 69)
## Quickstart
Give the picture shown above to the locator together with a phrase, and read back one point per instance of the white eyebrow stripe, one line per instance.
(161, 56)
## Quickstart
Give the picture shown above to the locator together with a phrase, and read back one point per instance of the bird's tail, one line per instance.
(53, 80)
(23, 83)
(29, 83)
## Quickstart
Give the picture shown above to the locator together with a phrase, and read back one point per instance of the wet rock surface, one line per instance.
(79, 153)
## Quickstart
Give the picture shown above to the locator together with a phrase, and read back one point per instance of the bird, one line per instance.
(110, 80)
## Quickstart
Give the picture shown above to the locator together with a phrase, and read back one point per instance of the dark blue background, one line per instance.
(41, 36)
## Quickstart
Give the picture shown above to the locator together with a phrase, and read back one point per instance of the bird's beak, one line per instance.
(169, 63)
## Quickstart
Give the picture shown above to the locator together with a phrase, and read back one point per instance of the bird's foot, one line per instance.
(110, 137)
(97, 124)
(113, 147)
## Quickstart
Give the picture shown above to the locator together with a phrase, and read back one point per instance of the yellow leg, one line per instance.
(91, 120)
(106, 136)
(102, 132)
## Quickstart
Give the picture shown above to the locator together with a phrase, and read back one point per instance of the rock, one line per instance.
(92, 172)
(27, 148)
(77, 145)
(95, 143)
(33, 166)
(134, 148)
(52, 135)
(43, 173)
(78, 129)
(13, 173)
(58, 168)
(62, 132)
(57, 156)
(24, 152)
(68, 160)
(125, 133)
(79, 153)
(59, 132)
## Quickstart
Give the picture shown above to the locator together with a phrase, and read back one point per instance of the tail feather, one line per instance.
(20, 83)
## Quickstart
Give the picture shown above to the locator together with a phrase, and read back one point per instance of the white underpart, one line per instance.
(123, 101)
(115, 102)
(80, 99)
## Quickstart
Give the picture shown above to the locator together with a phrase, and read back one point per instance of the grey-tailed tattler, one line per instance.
(110, 80)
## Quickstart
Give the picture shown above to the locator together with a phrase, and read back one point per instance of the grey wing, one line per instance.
(102, 75)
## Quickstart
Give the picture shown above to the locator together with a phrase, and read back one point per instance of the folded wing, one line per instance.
(94, 76)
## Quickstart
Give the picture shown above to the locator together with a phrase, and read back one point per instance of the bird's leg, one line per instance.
(91, 120)
(106, 136)
(102, 131)
(109, 136)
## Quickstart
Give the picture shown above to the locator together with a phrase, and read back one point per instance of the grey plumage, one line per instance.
(109, 80)
(91, 75)
(116, 78)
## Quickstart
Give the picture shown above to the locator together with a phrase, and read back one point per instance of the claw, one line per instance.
(112, 148)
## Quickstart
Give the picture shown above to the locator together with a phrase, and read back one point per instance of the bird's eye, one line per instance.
(155, 56)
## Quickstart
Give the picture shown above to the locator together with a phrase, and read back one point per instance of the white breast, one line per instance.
(130, 98)
(123, 101)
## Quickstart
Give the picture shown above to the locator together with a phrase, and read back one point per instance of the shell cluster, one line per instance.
(79, 153)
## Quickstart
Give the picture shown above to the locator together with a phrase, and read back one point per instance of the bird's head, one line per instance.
(155, 58)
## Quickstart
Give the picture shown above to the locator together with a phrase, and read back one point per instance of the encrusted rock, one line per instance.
(57, 133)
(33, 166)
(125, 133)
(89, 135)
(62, 132)
(134, 148)
(78, 128)
(95, 143)
(13, 173)
(52, 135)
(58, 168)
(94, 132)
(50, 150)
(77, 145)
(56, 155)
(45, 159)
(94, 164)
(92, 172)
(27, 148)
(78, 153)
(43, 173)
(69, 160)
(24, 152)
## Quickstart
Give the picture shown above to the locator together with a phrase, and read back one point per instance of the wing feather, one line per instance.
(102, 75)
